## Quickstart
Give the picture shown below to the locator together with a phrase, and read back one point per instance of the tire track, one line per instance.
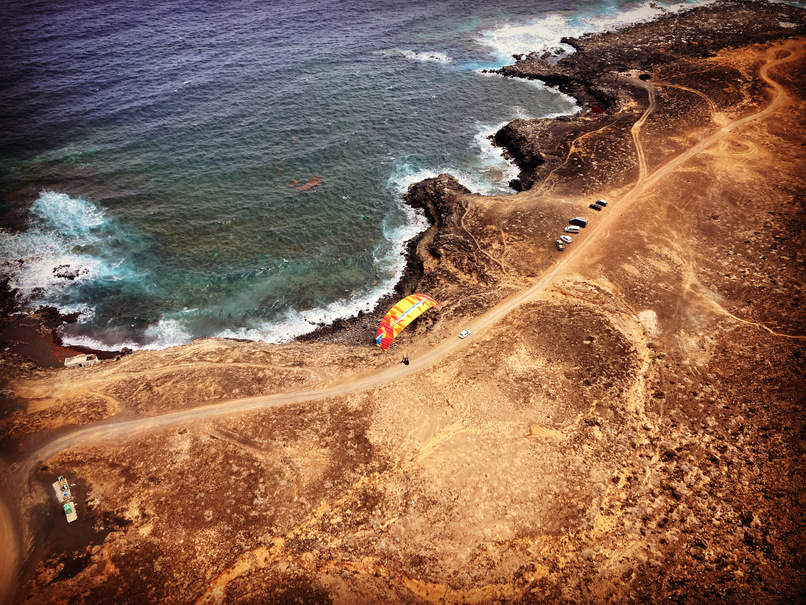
(21, 471)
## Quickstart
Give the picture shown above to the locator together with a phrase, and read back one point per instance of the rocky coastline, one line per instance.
(437, 198)
(630, 431)
(594, 73)
(34, 336)
(31, 338)
(594, 76)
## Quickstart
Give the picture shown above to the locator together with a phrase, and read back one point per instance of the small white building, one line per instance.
(80, 361)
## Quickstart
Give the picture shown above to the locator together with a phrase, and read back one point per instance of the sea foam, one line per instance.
(499, 170)
(70, 248)
(70, 216)
(48, 256)
(167, 332)
(406, 173)
(423, 57)
(545, 33)
(296, 323)
(427, 57)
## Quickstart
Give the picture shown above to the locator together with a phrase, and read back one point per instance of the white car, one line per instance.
(572, 229)
(566, 238)
(464, 333)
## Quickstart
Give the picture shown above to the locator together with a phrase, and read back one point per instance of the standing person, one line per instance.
(405, 359)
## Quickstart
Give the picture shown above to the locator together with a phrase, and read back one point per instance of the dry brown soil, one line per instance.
(624, 422)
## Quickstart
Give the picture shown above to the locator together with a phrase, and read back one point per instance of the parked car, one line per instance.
(579, 221)
(464, 333)
(560, 245)
(596, 207)
(572, 229)
(602, 203)
(566, 238)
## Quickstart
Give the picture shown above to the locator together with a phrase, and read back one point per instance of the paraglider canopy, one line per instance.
(401, 315)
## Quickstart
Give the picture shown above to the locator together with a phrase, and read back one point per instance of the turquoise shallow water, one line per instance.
(160, 149)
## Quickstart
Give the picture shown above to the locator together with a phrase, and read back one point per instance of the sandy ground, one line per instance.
(624, 422)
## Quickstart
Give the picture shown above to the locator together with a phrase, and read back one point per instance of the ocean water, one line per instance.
(154, 156)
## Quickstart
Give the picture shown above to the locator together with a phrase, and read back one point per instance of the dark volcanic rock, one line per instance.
(583, 85)
(594, 73)
(68, 272)
(446, 250)
(519, 135)
(438, 199)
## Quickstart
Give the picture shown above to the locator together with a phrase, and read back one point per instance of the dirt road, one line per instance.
(20, 471)
(9, 554)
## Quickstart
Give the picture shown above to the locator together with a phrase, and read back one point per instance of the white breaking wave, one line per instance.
(406, 175)
(96, 345)
(38, 261)
(43, 258)
(494, 164)
(62, 249)
(541, 34)
(164, 334)
(491, 176)
(296, 323)
(70, 216)
(167, 333)
(427, 57)
(572, 106)
(389, 255)
(568, 100)
(423, 57)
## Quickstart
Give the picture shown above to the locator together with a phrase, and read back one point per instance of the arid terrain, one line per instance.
(624, 422)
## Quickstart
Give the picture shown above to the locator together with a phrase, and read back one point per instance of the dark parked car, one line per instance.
(596, 207)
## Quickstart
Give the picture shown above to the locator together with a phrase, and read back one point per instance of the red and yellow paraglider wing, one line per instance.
(401, 315)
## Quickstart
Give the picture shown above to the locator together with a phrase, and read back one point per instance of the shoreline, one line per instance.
(588, 75)
(650, 398)
(34, 335)
(593, 73)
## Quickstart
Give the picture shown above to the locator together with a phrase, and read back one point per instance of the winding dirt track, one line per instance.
(20, 471)
(635, 131)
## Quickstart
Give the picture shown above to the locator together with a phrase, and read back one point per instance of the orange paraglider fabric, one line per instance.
(401, 315)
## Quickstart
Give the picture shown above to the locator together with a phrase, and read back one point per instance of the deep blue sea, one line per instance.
(152, 154)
